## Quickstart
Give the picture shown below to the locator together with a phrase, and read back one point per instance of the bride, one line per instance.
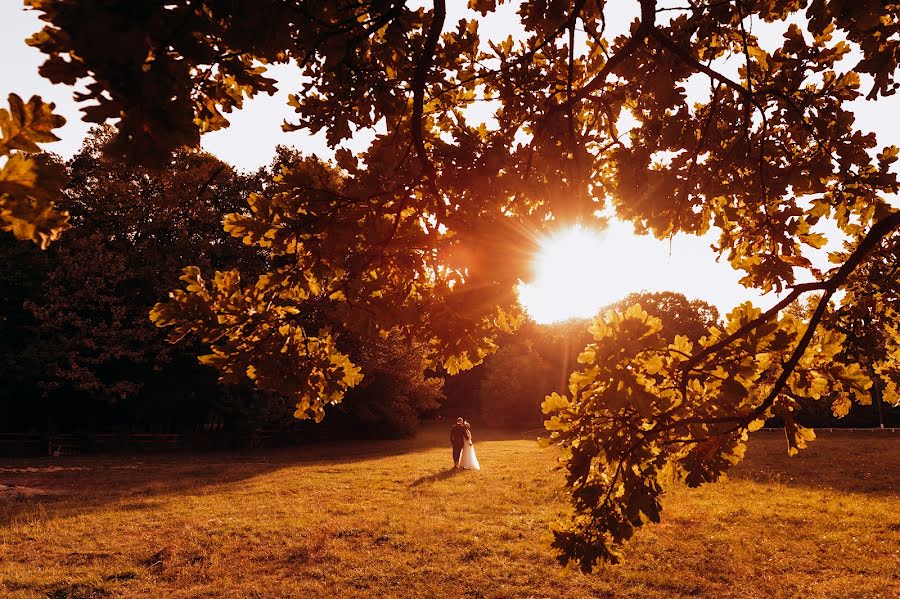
(467, 460)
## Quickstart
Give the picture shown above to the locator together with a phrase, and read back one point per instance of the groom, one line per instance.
(458, 433)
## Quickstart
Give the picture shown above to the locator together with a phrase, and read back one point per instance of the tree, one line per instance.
(679, 315)
(29, 181)
(516, 378)
(93, 341)
(22, 270)
(395, 393)
(429, 229)
(867, 316)
(76, 327)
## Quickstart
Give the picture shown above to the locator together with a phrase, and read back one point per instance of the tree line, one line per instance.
(79, 353)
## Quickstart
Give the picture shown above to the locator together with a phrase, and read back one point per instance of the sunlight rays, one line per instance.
(580, 270)
(572, 276)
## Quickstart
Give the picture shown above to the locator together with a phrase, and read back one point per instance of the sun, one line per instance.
(577, 272)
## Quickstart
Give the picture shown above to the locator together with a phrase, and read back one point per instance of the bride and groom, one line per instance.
(463, 449)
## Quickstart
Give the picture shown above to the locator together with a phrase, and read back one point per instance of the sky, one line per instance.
(622, 261)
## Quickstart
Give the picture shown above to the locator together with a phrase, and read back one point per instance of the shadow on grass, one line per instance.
(82, 484)
(866, 463)
(847, 463)
(434, 477)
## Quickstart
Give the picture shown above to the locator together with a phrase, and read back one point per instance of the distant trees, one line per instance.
(679, 315)
(78, 347)
(516, 379)
(507, 389)
(22, 270)
(395, 393)
(536, 359)
(91, 340)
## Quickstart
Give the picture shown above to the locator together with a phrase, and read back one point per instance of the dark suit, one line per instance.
(458, 435)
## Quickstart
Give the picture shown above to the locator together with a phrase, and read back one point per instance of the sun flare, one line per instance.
(575, 275)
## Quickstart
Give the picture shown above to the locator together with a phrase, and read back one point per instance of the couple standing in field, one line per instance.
(463, 449)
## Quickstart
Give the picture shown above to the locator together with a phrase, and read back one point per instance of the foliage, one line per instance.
(22, 267)
(318, 237)
(515, 379)
(76, 337)
(430, 228)
(92, 339)
(30, 182)
(668, 411)
(679, 315)
(867, 315)
(395, 393)
(138, 51)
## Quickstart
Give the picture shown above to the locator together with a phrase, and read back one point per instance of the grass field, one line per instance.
(389, 519)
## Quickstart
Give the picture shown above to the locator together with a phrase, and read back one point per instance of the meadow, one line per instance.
(390, 519)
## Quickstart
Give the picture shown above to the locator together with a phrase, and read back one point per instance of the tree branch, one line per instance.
(209, 181)
(879, 231)
(644, 29)
(876, 234)
(420, 80)
(796, 292)
(667, 43)
(525, 57)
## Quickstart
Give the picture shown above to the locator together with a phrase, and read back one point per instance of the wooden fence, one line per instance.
(23, 444)
(540, 431)
(844, 430)
(17, 444)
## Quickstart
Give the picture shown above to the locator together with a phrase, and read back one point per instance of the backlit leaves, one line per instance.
(644, 409)
(29, 182)
(168, 71)
(368, 260)
(251, 335)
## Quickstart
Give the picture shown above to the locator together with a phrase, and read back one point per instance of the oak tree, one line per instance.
(29, 180)
(429, 228)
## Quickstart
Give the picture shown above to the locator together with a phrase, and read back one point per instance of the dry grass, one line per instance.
(390, 520)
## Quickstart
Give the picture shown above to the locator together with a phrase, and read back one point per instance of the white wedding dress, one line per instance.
(467, 460)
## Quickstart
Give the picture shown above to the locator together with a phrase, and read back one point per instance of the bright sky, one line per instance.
(617, 265)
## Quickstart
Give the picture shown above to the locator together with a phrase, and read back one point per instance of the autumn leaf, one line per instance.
(29, 184)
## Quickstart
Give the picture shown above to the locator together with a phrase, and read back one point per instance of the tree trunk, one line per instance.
(876, 399)
(564, 375)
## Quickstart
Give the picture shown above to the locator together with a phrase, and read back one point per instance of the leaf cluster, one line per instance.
(647, 409)
(30, 181)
